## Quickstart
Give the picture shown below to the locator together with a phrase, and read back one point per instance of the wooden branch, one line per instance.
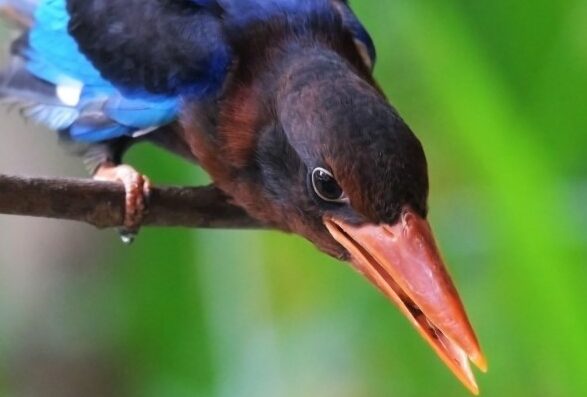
(101, 204)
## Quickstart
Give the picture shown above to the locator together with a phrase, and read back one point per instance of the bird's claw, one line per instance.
(137, 188)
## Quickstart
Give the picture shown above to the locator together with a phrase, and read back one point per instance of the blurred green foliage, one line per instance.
(497, 92)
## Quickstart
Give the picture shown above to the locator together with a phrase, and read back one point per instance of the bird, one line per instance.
(276, 101)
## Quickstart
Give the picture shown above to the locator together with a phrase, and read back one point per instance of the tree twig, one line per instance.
(101, 204)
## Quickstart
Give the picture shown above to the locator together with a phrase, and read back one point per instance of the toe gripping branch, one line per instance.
(137, 189)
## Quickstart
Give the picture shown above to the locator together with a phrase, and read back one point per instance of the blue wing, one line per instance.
(182, 47)
(169, 48)
(97, 71)
(58, 86)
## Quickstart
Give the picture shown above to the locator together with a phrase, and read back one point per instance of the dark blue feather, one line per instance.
(358, 30)
(242, 13)
(76, 87)
(167, 48)
(122, 66)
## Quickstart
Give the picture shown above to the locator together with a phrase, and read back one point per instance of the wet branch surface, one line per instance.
(101, 204)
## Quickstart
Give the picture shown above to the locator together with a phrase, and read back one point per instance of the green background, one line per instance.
(496, 91)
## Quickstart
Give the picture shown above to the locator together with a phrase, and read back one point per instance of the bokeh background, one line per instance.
(497, 92)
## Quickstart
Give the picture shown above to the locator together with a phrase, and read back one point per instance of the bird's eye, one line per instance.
(326, 186)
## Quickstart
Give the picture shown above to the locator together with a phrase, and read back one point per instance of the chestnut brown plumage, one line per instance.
(276, 100)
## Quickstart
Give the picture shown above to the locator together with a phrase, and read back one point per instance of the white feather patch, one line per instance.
(69, 94)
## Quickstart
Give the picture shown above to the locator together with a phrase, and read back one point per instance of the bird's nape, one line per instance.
(403, 262)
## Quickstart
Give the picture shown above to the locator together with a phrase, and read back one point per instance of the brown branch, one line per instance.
(102, 204)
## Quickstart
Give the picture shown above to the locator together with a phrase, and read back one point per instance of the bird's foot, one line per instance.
(137, 188)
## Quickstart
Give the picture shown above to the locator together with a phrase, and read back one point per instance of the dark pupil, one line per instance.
(327, 186)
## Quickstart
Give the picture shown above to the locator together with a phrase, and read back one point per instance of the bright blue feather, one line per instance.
(141, 113)
(53, 56)
(104, 111)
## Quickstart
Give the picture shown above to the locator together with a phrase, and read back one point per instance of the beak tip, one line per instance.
(478, 358)
(408, 269)
(471, 384)
(480, 361)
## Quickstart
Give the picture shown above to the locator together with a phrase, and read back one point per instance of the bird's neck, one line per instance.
(246, 115)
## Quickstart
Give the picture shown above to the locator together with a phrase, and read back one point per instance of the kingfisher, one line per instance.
(276, 101)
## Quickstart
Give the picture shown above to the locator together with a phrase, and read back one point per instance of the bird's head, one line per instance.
(316, 149)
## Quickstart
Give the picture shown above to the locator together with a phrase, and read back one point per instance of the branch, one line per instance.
(101, 204)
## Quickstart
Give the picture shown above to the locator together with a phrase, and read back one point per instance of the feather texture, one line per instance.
(164, 47)
(102, 69)
(54, 84)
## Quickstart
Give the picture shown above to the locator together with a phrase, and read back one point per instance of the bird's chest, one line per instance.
(222, 134)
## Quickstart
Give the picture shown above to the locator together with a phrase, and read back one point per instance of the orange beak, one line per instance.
(403, 262)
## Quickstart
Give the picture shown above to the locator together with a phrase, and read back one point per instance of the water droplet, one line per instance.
(127, 237)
